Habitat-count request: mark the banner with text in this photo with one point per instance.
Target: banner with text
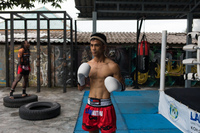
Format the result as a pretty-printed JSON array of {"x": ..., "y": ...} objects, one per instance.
[{"x": 175, "y": 112}]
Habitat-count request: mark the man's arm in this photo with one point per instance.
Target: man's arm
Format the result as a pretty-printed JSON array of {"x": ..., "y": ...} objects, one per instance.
[
  {"x": 20, "y": 52},
  {"x": 80, "y": 88},
  {"x": 117, "y": 73},
  {"x": 82, "y": 74},
  {"x": 114, "y": 82},
  {"x": 117, "y": 77},
  {"x": 29, "y": 60}
]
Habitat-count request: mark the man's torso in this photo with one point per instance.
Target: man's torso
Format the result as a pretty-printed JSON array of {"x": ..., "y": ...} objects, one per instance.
[
  {"x": 99, "y": 71},
  {"x": 24, "y": 56}
]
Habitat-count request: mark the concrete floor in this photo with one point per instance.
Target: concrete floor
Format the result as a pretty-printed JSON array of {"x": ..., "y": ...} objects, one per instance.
[{"x": 70, "y": 102}]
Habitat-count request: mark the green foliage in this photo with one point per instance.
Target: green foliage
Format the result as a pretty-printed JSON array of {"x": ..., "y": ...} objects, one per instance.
[{"x": 9, "y": 4}]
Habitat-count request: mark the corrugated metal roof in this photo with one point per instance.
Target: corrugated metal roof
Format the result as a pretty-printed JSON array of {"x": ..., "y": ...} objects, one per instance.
[
  {"x": 130, "y": 37},
  {"x": 56, "y": 36},
  {"x": 83, "y": 37},
  {"x": 134, "y": 9}
]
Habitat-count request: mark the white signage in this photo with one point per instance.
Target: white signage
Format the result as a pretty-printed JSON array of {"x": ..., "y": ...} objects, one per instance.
[{"x": 194, "y": 121}]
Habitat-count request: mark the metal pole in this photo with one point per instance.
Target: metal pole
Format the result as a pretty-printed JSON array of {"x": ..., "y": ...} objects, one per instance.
[
  {"x": 72, "y": 52},
  {"x": 12, "y": 46},
  {"x": 188, "y": 54},
  {"x": 7, "y": 54},
  {"x": 162, "y": 63},
  {"x": 75, "y": 32},
  {"x": 94, "y": 17},
  {"x": 64, "y": 54},
  {"x": 130, "y": 59},
  {"x": 138, "y": 36},
  {"x": 198, "y": 57},
  {"x": 38, "y": 52},
  {"x": 76, "y": 51},
  {"x": 25, "y": 36},
  {"x": 136, "y": 68},
  {"x": 25, "y": 29},
  {"x": 49, "y": 53}
]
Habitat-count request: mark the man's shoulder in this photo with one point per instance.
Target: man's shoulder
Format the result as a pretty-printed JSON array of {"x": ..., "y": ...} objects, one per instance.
[
  {"x": 108, "y": 60},
  {"x": 111, "y": 63},
  {"x": 91, "y": 61},
  {"x": 21, "y": 50}
]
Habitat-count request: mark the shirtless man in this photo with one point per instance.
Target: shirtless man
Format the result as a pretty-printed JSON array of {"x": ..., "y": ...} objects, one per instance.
[{"x": 105, "y": 77}]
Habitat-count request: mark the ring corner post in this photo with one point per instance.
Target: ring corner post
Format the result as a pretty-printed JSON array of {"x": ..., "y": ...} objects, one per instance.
[
  {"x": 163, "y": 57},
  {"x": 162, "y": 71}
]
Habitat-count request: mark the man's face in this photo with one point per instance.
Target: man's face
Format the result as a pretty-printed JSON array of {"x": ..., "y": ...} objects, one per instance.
[{"x": 97, "y": 47}]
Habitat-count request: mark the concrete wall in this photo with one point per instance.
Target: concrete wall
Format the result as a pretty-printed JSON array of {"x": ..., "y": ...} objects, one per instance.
[
  {"x": 124, "y": 56},
  {"x": 2, "y": 66},
  {"x": 56, "y": 65}
]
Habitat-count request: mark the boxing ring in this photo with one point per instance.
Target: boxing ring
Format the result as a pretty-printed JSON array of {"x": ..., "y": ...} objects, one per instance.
[
  {"x": 136, "y": 111},
  {"x": 181, "y": 106},
  {"x": 142, "y": 111}
]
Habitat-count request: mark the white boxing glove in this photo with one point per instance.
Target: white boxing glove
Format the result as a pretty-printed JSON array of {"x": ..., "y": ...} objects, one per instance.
[
  {"x": 112, "y": 84},
  {"x": 83, "y": 72}
]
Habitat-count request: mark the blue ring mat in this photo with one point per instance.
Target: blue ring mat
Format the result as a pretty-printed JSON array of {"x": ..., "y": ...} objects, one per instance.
[{"x": 136, "y": 111}]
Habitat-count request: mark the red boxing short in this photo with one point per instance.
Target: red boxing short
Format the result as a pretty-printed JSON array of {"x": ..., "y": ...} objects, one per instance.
[
  {"x": 23, "y": 70},
  {"x": 99, "y": 117}
]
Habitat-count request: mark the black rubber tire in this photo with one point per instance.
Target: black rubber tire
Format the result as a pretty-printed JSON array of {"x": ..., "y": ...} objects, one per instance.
[
  {"x": 18, "y": 100},
  {"x": 39, "y": 110}
]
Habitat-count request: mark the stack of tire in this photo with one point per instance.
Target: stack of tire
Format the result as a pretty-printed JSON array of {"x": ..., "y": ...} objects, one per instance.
[{"x": 31, "y": 109}]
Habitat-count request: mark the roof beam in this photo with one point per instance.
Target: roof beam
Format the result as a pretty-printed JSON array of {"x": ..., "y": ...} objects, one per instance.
[
  {"x": 139, "y": 3},
  {"x": 101, "y": 7},
  {"x": 136, "y": 17},
  {"x": 138, "y": 11},
  {"x": 50, "y": 12},
  {"x": 191, "y": 10},
  {"x": 197, "y": 4},
  {"x": 2, "y": 18},
  {"x": 44, "y": 16},
  {"x": 16, "y": 13},
  {"x": 160, "y": 9},
  {"x": 19, "y": 16},
  {"x": 40, "y": 19}
]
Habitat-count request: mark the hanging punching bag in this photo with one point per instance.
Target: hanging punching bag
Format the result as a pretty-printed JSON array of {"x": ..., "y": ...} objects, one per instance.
[{"x": 143, "y": 55}]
